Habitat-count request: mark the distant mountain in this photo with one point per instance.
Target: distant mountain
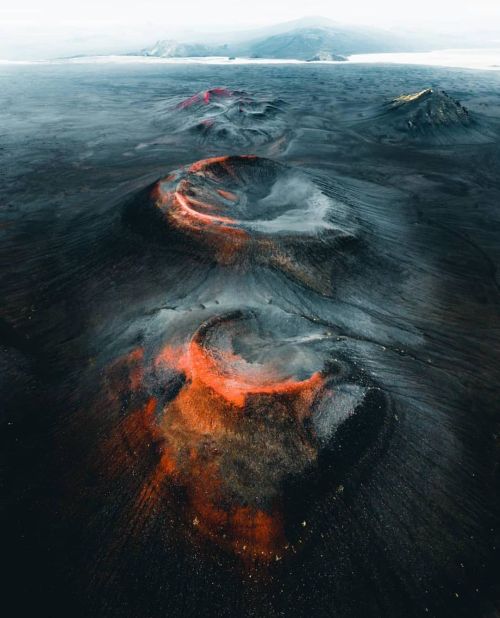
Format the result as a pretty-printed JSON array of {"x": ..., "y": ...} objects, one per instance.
[
  {"x": 306, "y": 39},
  {"x": 307, "y": 43}
]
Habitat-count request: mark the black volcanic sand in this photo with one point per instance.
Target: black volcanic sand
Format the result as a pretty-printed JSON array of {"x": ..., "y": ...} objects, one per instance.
[{"x": 309, "y": 430}]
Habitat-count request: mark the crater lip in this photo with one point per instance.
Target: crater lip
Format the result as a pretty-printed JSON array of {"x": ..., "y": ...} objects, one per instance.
[
  {"x": 254, "y": 196},
  {"x": 208, "y": 96},
  {"x": 246, "y": 357},
  {"x": 252, "y": 352}
]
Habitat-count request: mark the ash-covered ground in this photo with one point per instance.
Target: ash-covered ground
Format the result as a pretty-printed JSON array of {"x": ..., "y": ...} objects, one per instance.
[{"x": 249, "y": 340}]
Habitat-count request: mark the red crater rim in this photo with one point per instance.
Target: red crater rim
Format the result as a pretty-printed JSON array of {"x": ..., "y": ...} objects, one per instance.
[
  {"x": 235, "y": 118},
  {"x": 207, "y": 96},
  {"x": 231, "y": 202}
]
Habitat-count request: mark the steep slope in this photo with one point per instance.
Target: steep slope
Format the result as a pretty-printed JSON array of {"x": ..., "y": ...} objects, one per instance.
[{"x": 429, "y": 115}]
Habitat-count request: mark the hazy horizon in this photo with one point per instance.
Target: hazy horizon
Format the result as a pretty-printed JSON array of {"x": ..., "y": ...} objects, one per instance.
[{"x": 34, "y": 30}]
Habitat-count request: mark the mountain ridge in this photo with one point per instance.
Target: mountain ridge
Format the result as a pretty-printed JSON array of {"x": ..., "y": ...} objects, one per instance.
[{"x": 307, "y": 39}]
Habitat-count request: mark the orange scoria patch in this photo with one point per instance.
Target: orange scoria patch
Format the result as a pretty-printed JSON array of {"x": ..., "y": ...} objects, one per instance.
[
  {"x": 211, "y": 371},
  {"x": 182, "y": 444},
  {"x": 199, "y": 219},
  {"x": 210, "y": 406}
]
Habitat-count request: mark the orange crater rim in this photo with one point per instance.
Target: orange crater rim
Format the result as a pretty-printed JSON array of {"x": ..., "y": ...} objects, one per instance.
[
  {"x": 230, "y": 375},
  {"x": 208, "y": 208}
]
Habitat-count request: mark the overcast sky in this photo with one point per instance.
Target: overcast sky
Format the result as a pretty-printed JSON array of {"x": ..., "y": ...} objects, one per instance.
[{"x": 47, "y": 28}]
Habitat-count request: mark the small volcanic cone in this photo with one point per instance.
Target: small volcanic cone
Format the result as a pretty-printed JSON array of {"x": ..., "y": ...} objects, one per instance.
[
  {"x": 248, "y": 207},
  {"x": 239, "y": 421},
  {"x": 430, "y": 109},
  {"x": 430, "y": 116},
  {"x": 221, "y": 115},
  {"x": 256, "y": 400}
]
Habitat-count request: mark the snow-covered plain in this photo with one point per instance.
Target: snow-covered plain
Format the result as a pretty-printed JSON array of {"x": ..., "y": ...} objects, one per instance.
[{"x": 488, "y": 59}]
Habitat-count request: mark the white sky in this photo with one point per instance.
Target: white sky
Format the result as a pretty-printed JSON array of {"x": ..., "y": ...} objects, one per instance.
[{"x": 47, "y": 28}]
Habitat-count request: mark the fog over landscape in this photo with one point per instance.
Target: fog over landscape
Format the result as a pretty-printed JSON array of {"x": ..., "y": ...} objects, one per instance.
[{"x": 33, "y": 30}]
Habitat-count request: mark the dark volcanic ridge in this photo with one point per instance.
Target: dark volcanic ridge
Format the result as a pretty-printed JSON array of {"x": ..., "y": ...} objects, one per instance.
[
  {"x": 428, "y": 116},
  {"x": 224, "y": 116}
]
